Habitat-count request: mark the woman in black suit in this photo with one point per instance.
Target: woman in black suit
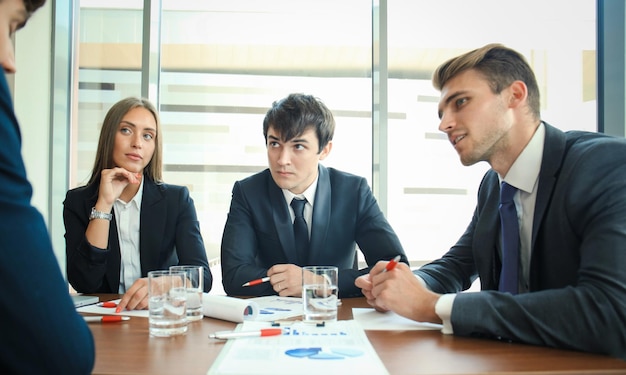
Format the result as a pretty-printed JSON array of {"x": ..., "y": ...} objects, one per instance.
[{"x": 126, "y": 222}]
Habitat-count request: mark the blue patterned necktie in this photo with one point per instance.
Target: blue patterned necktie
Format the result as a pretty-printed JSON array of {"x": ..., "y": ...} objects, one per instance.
[
  {"x": 300, "y": 230},
  {"x": 509, "y": 277}
]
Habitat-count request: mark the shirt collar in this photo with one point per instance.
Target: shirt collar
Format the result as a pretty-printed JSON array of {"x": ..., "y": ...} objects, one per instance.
[
  {"x": 137, "y": 198},
  {"x": 308, "y": 194},
  {"x": 524, "y": 172}
]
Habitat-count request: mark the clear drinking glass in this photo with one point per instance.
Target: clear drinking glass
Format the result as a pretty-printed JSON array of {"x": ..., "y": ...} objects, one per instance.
[
  {"x": 167, "y": 303},
  {"x": 195, "y": 287},
  {"x": 319, "y": 293}
]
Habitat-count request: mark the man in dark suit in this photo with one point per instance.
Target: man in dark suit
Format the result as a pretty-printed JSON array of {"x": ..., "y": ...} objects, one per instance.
[
  {"x": 40, "y": 330},
  {"x": 339, "y": 209},
  {"x": 570, "y": 291}
]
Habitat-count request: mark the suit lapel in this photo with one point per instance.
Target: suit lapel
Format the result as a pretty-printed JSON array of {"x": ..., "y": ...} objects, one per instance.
[
  {"x": 153, "y": 216},
  {"x": 282, "y": 220},
  {"x": 321, "y": 212},
  {"x": 115, "y": 257},
  {"x": 487, "y": 234},
  {"x": 553, "y": 151}
]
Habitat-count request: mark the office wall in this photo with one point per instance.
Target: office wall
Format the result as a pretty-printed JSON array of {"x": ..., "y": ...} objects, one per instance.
[{"x": 32, "y": 103}]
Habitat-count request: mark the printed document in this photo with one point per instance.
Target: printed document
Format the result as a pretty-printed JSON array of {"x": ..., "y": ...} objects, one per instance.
[{"x": 304, "y": 348}]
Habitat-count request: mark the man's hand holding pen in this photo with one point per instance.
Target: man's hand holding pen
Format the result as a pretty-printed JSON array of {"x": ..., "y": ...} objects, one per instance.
[
  {"x": 399, "y": 291},
  {"x": 365, "y": 282},
  {"x": 286, "y": 279}
]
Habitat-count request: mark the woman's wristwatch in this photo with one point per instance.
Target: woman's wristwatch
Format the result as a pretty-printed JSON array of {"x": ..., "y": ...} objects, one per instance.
[{"x": 95, "y": 214}]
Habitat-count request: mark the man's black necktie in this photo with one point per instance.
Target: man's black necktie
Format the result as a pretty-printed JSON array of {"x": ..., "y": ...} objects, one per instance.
[
  {"x": 300, "y": 230},
  {"x": 509, "y": 277}
]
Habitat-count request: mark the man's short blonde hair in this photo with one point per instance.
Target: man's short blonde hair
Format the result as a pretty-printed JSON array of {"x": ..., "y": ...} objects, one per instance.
[{"x": 499, "y": 65}]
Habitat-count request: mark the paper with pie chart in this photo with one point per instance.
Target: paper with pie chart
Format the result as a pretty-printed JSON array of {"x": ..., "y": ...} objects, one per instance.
[{"x": 304, "y": 348}]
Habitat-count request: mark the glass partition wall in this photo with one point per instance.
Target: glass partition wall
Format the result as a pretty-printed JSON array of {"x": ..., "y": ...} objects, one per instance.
[
  {"x": 431, "y": 195},
  {"x": 222, "y": 64}
]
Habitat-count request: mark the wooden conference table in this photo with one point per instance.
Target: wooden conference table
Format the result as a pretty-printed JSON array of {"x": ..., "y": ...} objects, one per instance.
[{"x": 127, "y": 348}]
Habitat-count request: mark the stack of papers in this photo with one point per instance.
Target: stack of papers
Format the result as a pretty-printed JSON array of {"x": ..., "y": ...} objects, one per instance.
[{"x": 268, "y": 308}]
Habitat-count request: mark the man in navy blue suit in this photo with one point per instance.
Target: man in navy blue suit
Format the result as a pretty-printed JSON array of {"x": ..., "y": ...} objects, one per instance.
[
  {"x": 340, "y": 210},
  {"x": 571, "y": 209},
  {"x": 41, "y": 332}
]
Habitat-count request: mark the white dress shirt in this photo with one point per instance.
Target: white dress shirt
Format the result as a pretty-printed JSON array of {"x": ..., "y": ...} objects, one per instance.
[{"x": 127, "y": 216}]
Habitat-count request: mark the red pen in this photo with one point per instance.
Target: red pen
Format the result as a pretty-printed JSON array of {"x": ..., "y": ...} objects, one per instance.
[
  {"x": 224, "y": 335},
  {"x": 107, "y": 304},
  {"x": 392, "y": 263},
  {"x": 106, "y": 319},
  {"x": 257, "y": 281}
]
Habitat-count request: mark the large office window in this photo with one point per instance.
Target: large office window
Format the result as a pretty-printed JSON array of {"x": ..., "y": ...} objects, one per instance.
[
  {"x": 222, "y": 66},
  {"x": 431, "y": 195},
  {"x": 224, "y": 63}
]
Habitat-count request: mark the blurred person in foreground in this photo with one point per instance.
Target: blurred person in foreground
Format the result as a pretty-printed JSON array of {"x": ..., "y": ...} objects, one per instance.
[{"x": 41, "y": 332}]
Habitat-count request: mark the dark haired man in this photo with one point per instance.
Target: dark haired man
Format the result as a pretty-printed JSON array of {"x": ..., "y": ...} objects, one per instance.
[{"x": 339, "y": 209}]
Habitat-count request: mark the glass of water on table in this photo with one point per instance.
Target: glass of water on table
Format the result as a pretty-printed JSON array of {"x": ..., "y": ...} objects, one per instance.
[
  {"x": 195, "y": 287},
  {"x": 167, "y": 302},
  {"x": 319, "y": 293}
]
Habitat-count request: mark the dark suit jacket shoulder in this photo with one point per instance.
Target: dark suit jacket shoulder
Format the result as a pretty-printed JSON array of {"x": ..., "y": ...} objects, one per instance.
[
  {"x": 259, "y": 232},
  {"x": 169, "y": 235},
  {"x": 577, "y": 281},
  {"x": 34, "y": 292}
]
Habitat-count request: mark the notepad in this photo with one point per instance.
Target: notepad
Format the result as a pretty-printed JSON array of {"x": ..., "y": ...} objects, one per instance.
[
  {"x": 101, "y": 310},
  {"x": 80, "y": 300},
  {"x": 372, "y": 320}
]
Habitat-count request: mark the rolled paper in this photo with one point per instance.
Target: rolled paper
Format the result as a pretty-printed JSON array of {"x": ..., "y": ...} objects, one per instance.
[{"x": 229, "y": 308}]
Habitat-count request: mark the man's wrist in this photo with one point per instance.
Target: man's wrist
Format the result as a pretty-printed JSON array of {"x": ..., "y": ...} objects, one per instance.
[{"x": 443, "y": 309}]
